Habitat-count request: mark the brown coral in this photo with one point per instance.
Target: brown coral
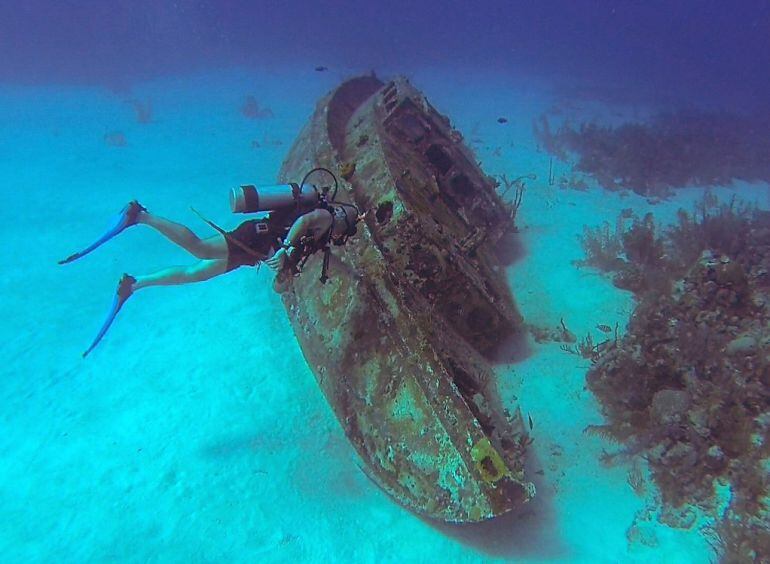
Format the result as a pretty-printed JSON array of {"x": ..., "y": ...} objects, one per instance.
[
  {"x": 688, "y": 383},
  {"x": 669, "y": 151}
]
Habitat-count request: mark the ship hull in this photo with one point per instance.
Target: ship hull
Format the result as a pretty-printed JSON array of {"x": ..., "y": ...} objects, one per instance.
[{"x": 400, "y": 336}]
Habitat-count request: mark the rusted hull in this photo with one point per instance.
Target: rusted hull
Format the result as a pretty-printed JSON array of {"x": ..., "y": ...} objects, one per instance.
[{"x": 398, "y": 336}]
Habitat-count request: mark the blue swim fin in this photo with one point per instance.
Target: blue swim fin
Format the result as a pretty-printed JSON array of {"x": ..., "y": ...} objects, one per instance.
[
  {"x": 124, "y": 291},
  {"x": 126, "y": 218}
]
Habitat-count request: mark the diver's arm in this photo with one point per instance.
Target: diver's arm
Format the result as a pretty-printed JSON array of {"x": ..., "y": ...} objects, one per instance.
[{"x": 315, "y": 223}]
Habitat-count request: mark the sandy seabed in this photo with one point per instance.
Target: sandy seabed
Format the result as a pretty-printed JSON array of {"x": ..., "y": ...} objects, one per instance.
[{"x": 195, "y": 432}]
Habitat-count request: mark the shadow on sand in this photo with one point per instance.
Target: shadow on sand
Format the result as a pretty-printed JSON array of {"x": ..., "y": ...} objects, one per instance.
[{"x": 528, "y": 532}]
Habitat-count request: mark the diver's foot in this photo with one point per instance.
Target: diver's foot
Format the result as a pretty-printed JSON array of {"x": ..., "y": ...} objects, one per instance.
[
  {"x": 125, "y": 287},
  {"x": 124, "y": 291},
  {"x": 130, "y": 213}
]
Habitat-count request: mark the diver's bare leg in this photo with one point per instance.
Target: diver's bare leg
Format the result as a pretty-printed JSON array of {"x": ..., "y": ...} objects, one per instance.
[
  {"x": 203, "y": 270},
  {"x": 128, "y": 284},
  {"x": 214, "y": 247}
]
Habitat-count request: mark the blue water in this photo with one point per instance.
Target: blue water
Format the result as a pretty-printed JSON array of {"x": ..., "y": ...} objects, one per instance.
[
  {"x": 196, "y": 431},
  {"x": 686, "y": 50}
]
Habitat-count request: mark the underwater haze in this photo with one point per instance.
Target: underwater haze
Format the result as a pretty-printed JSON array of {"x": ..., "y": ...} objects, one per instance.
[
  {"x": 628, "y": 141},
  {"x": 672, "y": 51}
]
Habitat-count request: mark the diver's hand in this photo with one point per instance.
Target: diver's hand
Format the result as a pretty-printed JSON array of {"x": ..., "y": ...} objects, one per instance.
[{"x": 276, "y": 261}]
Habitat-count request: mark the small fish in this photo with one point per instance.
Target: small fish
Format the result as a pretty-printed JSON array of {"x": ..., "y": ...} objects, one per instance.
[
  {"x": 530, "y": 422},
  {"x": 604, "y": 328},
  {"x": 320, "y": 68},
  {"x": 502, "y": 120}
]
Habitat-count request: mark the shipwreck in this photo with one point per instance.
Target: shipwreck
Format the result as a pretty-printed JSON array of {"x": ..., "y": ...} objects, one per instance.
[{"x": 401, "y": 335}]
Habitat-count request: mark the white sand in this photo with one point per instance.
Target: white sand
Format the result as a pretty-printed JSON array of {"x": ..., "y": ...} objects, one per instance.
[{"x": 195, "y": 431}]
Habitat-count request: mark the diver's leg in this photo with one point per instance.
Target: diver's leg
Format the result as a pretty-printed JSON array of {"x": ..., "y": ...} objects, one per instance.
[
  {"x": 128, "y": 284},
  {"x": 203, "y": 270},
  {"x": 214, "y": 247}
]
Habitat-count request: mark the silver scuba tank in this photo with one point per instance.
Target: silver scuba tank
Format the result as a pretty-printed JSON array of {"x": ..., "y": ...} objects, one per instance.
[{"x": 250, "y": 199}]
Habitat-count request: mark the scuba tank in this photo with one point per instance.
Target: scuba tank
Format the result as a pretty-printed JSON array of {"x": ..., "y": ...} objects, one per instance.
[
  {"x": 280, "y": 197},
  {"x": 250, "y": 199}
]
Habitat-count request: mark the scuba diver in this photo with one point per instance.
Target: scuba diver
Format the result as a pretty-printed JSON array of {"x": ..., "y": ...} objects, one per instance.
[{"x": 299, "y": 224}]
